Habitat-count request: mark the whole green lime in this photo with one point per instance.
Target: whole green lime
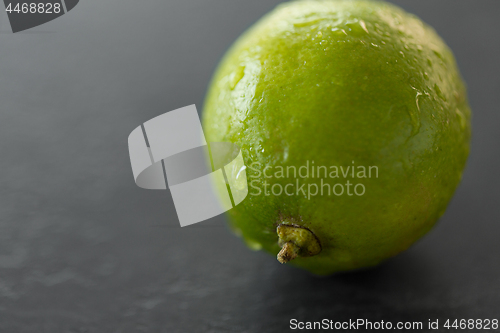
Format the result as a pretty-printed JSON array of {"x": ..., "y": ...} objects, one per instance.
[{"x": 354, "y": 125}]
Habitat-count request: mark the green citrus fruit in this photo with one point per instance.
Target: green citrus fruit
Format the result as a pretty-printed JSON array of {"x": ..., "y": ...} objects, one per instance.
[{"x": 358, "y": 99}]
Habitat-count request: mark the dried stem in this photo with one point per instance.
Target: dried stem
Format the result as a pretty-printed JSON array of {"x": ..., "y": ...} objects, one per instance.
[{"x": 288, "y": 252}]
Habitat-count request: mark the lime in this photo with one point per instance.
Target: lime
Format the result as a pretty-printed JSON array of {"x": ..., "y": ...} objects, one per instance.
[{"x": 354, "y": 125}]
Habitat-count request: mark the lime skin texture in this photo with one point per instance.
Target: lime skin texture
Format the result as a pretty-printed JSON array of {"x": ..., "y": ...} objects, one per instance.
[{"x": 342, "y": 83}]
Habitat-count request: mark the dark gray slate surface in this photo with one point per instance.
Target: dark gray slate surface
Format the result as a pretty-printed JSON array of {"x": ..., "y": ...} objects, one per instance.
[{"x": 82, "y": 249}]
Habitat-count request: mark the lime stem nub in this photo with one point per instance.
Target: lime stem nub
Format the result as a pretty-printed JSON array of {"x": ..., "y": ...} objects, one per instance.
[
  {"x": 296, "y": 241},
  {"x": 288, "y": 252}
]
